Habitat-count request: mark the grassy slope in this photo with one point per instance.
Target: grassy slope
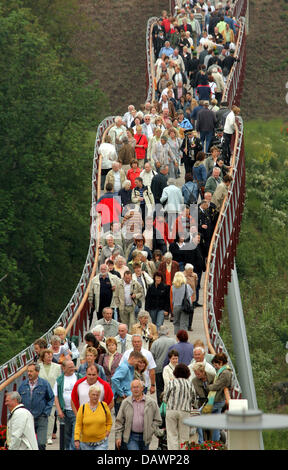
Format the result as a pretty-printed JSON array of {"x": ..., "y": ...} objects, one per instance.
[
  {"x": 267, "y": 64},
  {"x": 116, "y": 50}
]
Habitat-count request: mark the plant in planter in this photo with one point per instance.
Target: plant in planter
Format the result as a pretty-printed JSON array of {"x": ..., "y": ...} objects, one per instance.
[
  {"x": 207, "y": 445},
  {"x": 3, "y": 431}
]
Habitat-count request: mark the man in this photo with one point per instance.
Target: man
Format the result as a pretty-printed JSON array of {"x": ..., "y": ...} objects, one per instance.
[
  {"x": 229, "y": 129},
  {"x": 204, "y": 226},
  {"x": 159, "y": 350},
  {"x": 102, "y": 292},
  {"x": 37, "y": 397},
  {"x": 116, "y": 176},
  {"x": 62, "y": 391},
  {"x": 137, "y": 420},
  {"x": 162, "y": 153},
  {"x": 20, "y": 426},
  {"x": 110, "y": 326},
  {"x": 109, "y": 248},
  {"x": 124, "y": 340},
  {"x": 148, "y": 127},
  {"x": 221, "y": 192},
  {"x": 128, "y": 294},
  {"x": 147, "y": 174},
  {"x": 199, "y": 356},
  {"x": 166, "y": 49},
  {"x": 173, "y": 199},
  {"x": 214, "y": 180},
  {"x": 117, "y": 132},
  {"x": 122, "y": 378},
  {"x": 143, "y": 197},
  {"x": 159, "y": 182},
  {"x": 183, "y": 122},
  {"x": 128, "y": 117},
  {"x": 149, "y": 373},
  {"x": 206, "y": 122},
  {"x": 80, "y": 391}
]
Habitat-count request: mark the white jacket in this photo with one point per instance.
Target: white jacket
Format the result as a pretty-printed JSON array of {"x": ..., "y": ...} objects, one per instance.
[
  {"x": 20, "y": 430},
  {"x": 172, "y": 197}
]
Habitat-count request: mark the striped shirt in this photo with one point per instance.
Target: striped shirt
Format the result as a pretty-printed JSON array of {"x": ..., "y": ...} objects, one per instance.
[{"x": 179, "y": 394}]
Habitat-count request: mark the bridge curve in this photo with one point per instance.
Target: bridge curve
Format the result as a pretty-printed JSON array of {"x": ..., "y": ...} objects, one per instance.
[{"x": 223, "y": 245}]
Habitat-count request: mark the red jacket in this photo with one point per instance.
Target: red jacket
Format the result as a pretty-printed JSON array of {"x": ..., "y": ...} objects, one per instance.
[
  {"x": 108, "y": 394},
  {"x": 131, "y": 175},
  {"x": 140, "y": 151}
]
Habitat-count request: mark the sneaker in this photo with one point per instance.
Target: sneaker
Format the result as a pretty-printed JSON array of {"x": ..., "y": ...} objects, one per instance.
[{"x": 49, "y": 442}]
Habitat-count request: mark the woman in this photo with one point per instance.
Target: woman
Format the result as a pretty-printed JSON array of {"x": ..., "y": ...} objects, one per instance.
[
  {"x": 110, "y": 360},
  {"x": 109, "y": 155},
  {"x": 190, "y": 190},
  {"x": 130, "y": 136},
  {"x": 91, "y": 355},
  {"x": 216, "y": 395},
  {"x": 200, "y": 173},
  {"x": 168, "y": 371},
  {"x": 133, "y": 173},
  {"x": 125, "y": 193},
  {"x": 192, "y": 280},
  {"x": 50, "y": 372},
  {"x": 60, "y": 352},
  {"x": 157, "y": 300},
  {"x": 93, "y": 423},
  {"x": 174, "y": 143},
  {"x": 120, "y": 265},
  {"x": 177, "y": 248},
  {"x": 180, "y": 290},
  {"x": 145, "y": 328},
  {"x": 143, "y": 197},
  {"x": 73, "y": 351},
  {"x": 141, "y": 145},
  {"x": 157, "y": 258},
  {"x": 139, "y": 370},
  {"x": 180, "y": 399}
]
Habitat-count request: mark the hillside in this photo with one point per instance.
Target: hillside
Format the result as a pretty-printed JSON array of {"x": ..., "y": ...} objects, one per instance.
[
  {"x": 267, "y": 64},
  {"x": 115, "y": 51}
]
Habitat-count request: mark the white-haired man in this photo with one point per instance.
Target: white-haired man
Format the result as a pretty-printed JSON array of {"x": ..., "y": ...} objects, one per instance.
[{"x": 20, "y": 427}]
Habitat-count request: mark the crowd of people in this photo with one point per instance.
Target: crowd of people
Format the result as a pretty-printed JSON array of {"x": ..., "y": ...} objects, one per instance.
[{"x": 165, "y": 173}]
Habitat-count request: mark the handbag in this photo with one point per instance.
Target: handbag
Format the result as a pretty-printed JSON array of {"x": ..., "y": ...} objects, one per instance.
[{"x": 187, "y": 307}]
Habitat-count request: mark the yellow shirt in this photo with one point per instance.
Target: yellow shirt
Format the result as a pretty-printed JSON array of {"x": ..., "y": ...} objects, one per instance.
[{"x": 92, "y": 427}]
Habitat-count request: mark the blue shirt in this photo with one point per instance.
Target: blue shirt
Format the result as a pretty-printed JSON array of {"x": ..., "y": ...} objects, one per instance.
[
  {"x": 166, "y": 50},
  {"x": 121, "y": 379},
  {"x": 40, "y": 401}
]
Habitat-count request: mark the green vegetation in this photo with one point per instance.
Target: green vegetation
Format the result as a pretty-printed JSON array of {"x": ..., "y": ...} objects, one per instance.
[
  {"x": 49, "y": 107},
  {"x": 262, "y": 264}
]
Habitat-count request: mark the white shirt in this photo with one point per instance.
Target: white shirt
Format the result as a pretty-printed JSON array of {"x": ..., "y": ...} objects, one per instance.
[
  {"x": 83, "y": 392},
  {"x": 150, "y": 359},
  {"x": 127, "y": 292},
  {"x": 117, "y": 181},
  {"x": 229, "y": 126},
  {"x": 69, "y": 382}
]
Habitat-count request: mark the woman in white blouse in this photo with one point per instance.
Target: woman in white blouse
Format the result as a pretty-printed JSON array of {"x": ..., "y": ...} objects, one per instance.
[{"x": 168, "y": 370}]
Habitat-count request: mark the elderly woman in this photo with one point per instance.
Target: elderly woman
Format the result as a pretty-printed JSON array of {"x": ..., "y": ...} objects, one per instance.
[
  {"x": 93, "y": 423},
  {"x": 180, "y": 290},
  {"x": 120, "y": 265},
  {"x": 110, "y": 360},
  {"x": 125, "y": 193},
  {"x": 192, "y": 280},
  {"x": 145, "y": 328},
  {"x": 91, "y": 355},
  {"x": 180, "y": 399},
  {"x": 50, "y": 372},
  {"x": 60, "y": 351},
  {"x": 73, "y": 351}
]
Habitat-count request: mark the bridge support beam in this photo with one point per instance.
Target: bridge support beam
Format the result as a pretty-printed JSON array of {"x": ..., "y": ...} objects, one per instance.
[{"x": 240, "y": 343}]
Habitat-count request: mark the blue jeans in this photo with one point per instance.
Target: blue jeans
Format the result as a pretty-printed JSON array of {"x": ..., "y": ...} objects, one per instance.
[
  {"x": 136, "y": 442},
  {"x": 157, "y": 317},
  {"x": 41, "y": 426},
  {"x": 217, "y": 408},
  {"x": 205, "y": 135},
  {"x": 69, "y": 425},
  {"x": 103, "y": 446}
]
